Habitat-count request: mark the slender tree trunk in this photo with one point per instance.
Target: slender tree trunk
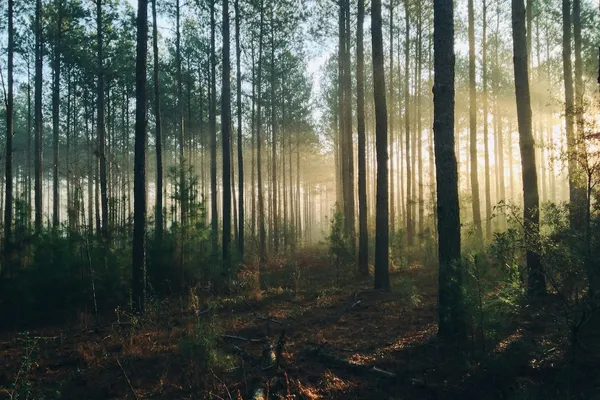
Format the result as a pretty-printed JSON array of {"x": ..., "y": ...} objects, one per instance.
[
  {"x": 8, "y": 205},
  {"x": 363, "y": 240},
  {"x": 56, "y": 114},
  {"x": 409, "y": 181},
  {"x": 261, "y": 208},
  {"x": 225, "y": 138},
  {"x": 390, "y": 104},
  {"x": 497, "y": 116},
  {"x": 579, "y": 102},
  {"x": 214, "y": 222},
  {"x": 382, "y": 277},
  {"x": 139, "y": 219},
  {"x": 570, "y": 111},
  {"x": 238, "y": 52},
  {"x": 180, "y": 120},
  {"x": 488, "y": 195},
  {"x": 158, "y": 121},
  {"x": 451, "y": 321},
  {"x": 253, "y": 147},
  {"x": 274, "y": 196},
  {"x": 38, "y": 117},
  {"x": 419, "y": 106},
  {"x": 541, "y": 121},
  {"x": 536, "y": 281},
  {"x": 100, "y": 120},
  {"x": 29, "y": 136},
  {"x": 473, "y": 128}
]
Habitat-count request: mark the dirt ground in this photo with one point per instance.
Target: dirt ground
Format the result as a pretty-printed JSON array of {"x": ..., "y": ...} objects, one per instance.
[{"x": 337, "y": 341}]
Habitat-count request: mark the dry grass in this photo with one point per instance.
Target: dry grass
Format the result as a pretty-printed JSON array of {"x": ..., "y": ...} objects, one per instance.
[{"x": 350, "y": 321}]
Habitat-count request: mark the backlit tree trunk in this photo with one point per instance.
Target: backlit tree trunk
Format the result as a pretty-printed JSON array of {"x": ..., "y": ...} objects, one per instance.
[
  {"x": 138, "y": 294},
  {"x": 536, "y": 280},
  {"x": 382, "y": 278},
  {"x": 363, "y": 239},
  {"x": 452, "y": 322}
]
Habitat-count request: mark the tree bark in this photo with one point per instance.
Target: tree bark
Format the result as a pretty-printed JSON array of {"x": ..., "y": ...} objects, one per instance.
[
  {"x": 238, "y": 52},
  {"x": 576, "y": 206},
  {"x": 476, "y": 205},
  {"x": 101, "y": 123},
  {"x": 56, "y": 114},
  {"x": 390, "y": 104},
  {"x": 214, "y": 222},
  {"x": 139, "y": 218},
  {"x": 8, "y": 205},
  {"x": 363, "y": 239},
  {"x": 225, "y": 138},
  {"x": 536, "y": 280},
  {"x": 382, "y": 278},
  {"x": 452, "y": 322},
  {"x": 158, "y": 120},
  {"x": 274, "y": 187},
  {"x": 183, "y": 187},
  {"x": 488, "y": 195},
  {"x": 409, "y": 181},
  {"x": 38, "y": 117},
  {"x": 261, "y": 207}
]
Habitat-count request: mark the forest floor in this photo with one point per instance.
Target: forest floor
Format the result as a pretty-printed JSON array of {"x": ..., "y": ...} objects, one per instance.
[{"x": 341, "y": 341}]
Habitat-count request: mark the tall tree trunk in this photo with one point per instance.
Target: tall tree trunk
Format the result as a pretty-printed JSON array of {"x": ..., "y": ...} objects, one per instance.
[
  {"x": 536, "y": 281},
  {"x": 349, "y": 199},
  {"x": 274, "y": 196},
  {"x": 8, "y": 205},
  {"x": 101, "y": 122},
  {"x": 225, "y": 138},
  {"x": 138, "y": 280},
  {"x": 497, "y": 116},
  {"x": 38, "y": 117},
  {"x": 212, "y": 116},
  {"x": 56, "y": 114},
  {"x": 409, "y": 181},
  {"x": 261, "y": 208},
  {"x": 158, "y": 121},
  {"x": 579, "y": 100},
  {"x": 419, "y": 105},
  {"x": 180, "y": 120},
  {"x": 29, "y": 136},
  {"x": 363, "y": 239},
  {"x": 253, "y": 147},
  {"x": 488, "y": 195},
  {"x": 390, "y": 104},
  {"x": 473, "y": 128},
  {"x": 382, "y": 277},
  {"x": 238, "y": 53},
  {"x": 452, "y": 322},
  {"x": 575, "y": 205}
]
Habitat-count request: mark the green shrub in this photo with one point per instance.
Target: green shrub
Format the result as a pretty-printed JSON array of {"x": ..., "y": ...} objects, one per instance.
[
  {"x": 203, "y": 348},
  {"x": 341, "y": 249}
]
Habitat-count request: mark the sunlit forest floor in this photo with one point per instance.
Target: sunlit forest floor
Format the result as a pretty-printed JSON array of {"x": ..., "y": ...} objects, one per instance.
[{"x": 339, "y": 339}]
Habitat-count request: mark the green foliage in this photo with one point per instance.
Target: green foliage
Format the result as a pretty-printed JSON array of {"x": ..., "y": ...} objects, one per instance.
[
  {"x": 202, "y": 348},
  {"x": 398, "y": 249},
  {"x": 493, "y": 284},
  {"x": 21, "y": 387},
  {"x": 61, "y": 272},
  {"x": 183, "y": 254},
  {"x": 340, "y": 245},
  {"x": 406, "y": 290}
]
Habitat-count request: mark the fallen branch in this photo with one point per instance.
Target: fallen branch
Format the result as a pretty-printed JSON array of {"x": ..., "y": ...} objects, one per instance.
[
  {"x": 198, "y": 313},
  {"x": 260, "y": 317},
  {"x": 135, "y": 396},
  {"x": 244, "y": 339}
]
